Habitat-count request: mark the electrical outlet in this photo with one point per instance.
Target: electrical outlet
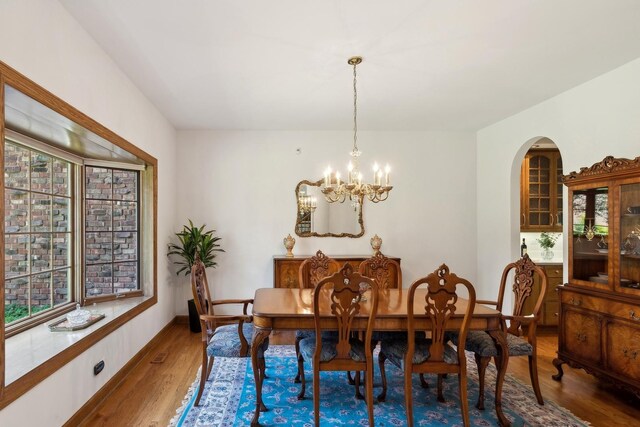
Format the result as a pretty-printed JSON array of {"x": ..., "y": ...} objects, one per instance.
[{"x": 98, "y": 368}]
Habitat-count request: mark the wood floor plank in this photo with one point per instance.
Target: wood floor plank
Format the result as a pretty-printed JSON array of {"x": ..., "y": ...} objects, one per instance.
[{"x": 152, "y": 392}]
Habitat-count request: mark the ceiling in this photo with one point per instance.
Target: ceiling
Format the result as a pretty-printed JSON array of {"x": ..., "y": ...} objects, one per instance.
[{"x": 428, "y": 65}]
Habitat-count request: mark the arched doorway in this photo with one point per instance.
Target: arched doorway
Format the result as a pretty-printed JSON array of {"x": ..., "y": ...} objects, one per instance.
[{"x": 541, "y": 217}]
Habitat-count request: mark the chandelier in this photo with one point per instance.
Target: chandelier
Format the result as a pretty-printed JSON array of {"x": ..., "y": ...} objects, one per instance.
[
  {"x": 352, "y": 188},
  {"x": 308, "y": 204}
]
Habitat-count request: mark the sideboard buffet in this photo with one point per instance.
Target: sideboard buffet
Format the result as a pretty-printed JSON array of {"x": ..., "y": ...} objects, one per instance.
[{"x": 285, "y": 269}]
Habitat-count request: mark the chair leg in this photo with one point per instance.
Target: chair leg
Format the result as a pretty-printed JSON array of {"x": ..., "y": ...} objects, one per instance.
[
  {"x": 359, "y": 395},
  {"x": 350, "y": 379},
  {"x": 440, "y": 395},
  {"x": 482, "y": 363},
  {"x": 408, "y": 401},
  {"x": 533, "y": 373},
  {"x": 381, "y": 359},
  {"x": 316, "y": 395},
  {"x": 423, "y": 382},
  {"x": 303, "y": 380},
  {"x": 369, "y": 394},
  {"x": 298, "y": 356},
  {"x": 209, "y": 367},
  {"x": 464, "y": 404},
  {"x": 203, "y": 374}
]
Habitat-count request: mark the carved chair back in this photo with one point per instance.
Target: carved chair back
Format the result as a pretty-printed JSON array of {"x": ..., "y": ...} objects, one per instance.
[
  {"x": 383, "y": 270},
  {"x": 524, "y": 272},
  {"x": 201, "y": 294},
  {"x": 314, "y": 269},
  {"x": 342, "y": 295},
  {"x": 440, "y": 304}
]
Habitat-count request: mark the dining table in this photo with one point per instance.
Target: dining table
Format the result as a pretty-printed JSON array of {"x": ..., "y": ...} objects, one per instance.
[{"x": 287, "y": 309}]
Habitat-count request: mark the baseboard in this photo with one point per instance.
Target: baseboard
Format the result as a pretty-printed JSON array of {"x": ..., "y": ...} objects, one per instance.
[
  {"x": 182, "y": 319},
  {"x": 90, "y": 406}
]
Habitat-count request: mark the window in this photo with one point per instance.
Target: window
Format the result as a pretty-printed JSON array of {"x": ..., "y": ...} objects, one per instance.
[
  {"x": 51, "y": 261},
  {"x": 111, "y": 231},
  {"x": 47, "y": 146},
  {"x": 38, "y": 233}
]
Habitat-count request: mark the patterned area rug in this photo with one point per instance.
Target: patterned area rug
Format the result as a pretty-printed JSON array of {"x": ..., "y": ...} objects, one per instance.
[{"x": 229, "y": 399}]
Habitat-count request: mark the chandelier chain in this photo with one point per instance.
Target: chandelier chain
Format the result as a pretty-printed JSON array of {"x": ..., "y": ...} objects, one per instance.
[{"x": 355, "y": 111}]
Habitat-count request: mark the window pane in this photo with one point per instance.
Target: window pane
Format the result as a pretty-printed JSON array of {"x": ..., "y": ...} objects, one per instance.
[
  {"x": 125, "y": 246},
  {"x": 98, "y": 215},
  {"x": 61, "y": 286},
  {"x": 61, "y": 177},
  {"x": 125, "y": 216},
  {"x": 61, "y": 252},
  {"x": 125, "y": 276},
  {"x": 61, "y": 212},
  {"x": 40, "y": 292},
  {"x": 98, "y": 248},
  {"x": 40, "y": 173},
  {"x": 40, "y": 252},
  {"x": 16, "y": 211},
  {"x": 16, "y": 294},
  {"x": 98, "y": 280},
  {"x": 98, "y": 183},
  {"x": 40, "y": 212},
  {"x": 16, "y": 167},
  {"x": 15, "y": 255},
  {"x": 125, "y": 185}
]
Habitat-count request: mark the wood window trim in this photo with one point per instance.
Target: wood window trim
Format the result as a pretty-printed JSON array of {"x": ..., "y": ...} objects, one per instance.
[{"x": 11, "y": 77}]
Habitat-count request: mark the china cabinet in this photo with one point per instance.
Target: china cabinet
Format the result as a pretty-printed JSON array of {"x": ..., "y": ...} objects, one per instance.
[
  {"x": 600, "y": 306},
  {"x": 541, "y": 191}
]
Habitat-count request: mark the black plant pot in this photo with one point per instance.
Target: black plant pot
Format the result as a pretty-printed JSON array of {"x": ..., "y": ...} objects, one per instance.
[{"x": 194, "y": 319}]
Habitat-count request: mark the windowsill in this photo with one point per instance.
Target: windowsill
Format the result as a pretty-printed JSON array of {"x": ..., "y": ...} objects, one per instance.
[{"x": 29, "y": 350}]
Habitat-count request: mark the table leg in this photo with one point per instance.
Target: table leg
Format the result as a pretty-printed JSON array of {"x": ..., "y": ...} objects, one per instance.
[
  {"x": 502, "y": 361},
  {"x": 258, "y": 338}
]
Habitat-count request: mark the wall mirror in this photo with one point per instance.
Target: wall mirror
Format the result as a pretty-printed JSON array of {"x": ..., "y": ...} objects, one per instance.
[{"x": 315, "y": 217}]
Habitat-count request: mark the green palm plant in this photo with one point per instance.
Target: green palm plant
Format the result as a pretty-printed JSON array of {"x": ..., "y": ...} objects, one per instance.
[{"x": 194, "y": 240}]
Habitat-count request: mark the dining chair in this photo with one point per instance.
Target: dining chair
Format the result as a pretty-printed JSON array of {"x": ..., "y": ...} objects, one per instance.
[
  {"x": 482, "y": 345},
  {"x": 383, "y": 270},
  {"x": 222, "y": 335},
  {"x": 416, "y": 354},
  {"x": 386, "y": 272},
  {"x": 341, "y": 296},
  {"x": 311, "y": 271}
]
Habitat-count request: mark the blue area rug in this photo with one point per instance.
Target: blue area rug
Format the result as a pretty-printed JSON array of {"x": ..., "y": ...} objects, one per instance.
[{"x": 229, "y": 399}]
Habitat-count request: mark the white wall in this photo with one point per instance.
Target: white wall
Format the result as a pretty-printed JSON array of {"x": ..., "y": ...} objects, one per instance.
[
  {"x": 41, "y": 40},
  {"x": 242, "y": 184},
  {"x": 587, "y": 123}
]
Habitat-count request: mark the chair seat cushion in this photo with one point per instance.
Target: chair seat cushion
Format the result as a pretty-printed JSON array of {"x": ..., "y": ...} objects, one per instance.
[
  {"x": 225, "y": 341},
  {"x": 394, "y": 335},
  {"x": 482, "y": 344},
  {"x": 329, "y": 350},
  {"x": 395, "y": 351},
  {"x": 311, "y": 333}
]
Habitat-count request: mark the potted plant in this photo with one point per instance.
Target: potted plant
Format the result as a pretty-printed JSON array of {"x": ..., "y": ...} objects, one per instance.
[
  {"x": 194, "y": 240},
  {"x": 547, "y": 241}
]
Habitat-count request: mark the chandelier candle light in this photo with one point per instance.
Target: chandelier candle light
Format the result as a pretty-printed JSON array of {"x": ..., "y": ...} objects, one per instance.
[{"x": 334, "y": 189}]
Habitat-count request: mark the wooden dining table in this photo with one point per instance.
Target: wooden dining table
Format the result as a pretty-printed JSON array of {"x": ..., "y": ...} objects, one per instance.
[{"x": 280, "y": 309}]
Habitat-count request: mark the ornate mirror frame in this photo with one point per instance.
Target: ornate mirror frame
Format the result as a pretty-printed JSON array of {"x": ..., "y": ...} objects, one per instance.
[{"x": 313, "y": 233}]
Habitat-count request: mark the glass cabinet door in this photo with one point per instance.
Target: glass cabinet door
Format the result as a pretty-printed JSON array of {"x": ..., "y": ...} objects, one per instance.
[
  {"x": 540, "y": 213},
  {"x": 590, "y": 234},
  {"x": 629, "y": 251}
]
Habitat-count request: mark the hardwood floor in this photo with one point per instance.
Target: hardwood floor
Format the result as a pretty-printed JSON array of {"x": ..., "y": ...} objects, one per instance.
[{"x": 152, "y": 392}]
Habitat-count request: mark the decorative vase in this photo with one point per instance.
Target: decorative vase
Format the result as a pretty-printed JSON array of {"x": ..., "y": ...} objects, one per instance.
[
  {"x": 376, "y": 243},
  {"x": 547, "y": 254},
  {"x": 288, "y": 244}
]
